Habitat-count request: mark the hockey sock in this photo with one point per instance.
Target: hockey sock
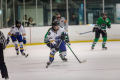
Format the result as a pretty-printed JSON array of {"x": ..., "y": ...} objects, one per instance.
[
  {"x": 60, "y": 54},
  {"x": 104, "y": 41},
  {"x": 52, "y": 54},
  {"x": 16, "y": 45},
  {"x": 95, "y": 41},
  {"x": 21, "y": 47}
]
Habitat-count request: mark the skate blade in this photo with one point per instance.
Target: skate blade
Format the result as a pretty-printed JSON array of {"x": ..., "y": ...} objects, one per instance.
[
  {"x": 46, "y": 66},
  {"x": 104, "y": 49},
  {"x": 65, "y": 61},
  {"x": 27, "y": 55}
]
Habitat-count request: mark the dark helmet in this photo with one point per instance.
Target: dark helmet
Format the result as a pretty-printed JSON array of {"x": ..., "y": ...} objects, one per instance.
[
  {"x": 18, "y": 22},
  {"x": 104, "y": 13},
  {"x": 58, "y": 14},
  {"x": 55, "y": 23}
]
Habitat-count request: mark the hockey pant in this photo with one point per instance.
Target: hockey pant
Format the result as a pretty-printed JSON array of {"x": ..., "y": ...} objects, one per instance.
[
  {"x": 97, "y": 36},
  {"x": 20, "y": 40},
  {"x": 62, "y": 49}
]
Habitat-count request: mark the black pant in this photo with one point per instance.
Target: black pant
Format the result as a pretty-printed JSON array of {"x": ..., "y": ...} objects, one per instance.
[
  {"x": 3, "y": 67},
  {"x": 103, "y": 32}
]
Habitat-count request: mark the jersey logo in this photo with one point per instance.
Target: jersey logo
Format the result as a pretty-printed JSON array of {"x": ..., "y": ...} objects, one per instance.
[
  {"x": 57, "y": 39},
  {"x": 61, "y": 20},
  {"x": 103, "y": 25},
  {"x": 49, "y": 33}
]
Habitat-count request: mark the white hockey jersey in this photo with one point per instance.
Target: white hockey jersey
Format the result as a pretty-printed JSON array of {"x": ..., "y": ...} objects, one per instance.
[
  {"x": 56, "y": 37},
  {"x": 63, "y": 23},
  {"x": 14, "y": 31}
]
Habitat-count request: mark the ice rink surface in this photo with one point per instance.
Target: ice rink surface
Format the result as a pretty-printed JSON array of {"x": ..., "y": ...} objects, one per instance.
[{"x": 100, "y": 65}]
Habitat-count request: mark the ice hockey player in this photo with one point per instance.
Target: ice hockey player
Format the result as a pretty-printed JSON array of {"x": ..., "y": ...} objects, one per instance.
[
  {"x": 55, "y": 40},
  {"x": 63, "y": 22},
  {"x": 3, "y": 67},
  {"x": 100, "y": 28},
  {"x": 16, "y": 33}
]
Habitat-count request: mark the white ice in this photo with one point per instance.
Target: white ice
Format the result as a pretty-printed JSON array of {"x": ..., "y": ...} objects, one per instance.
[{"x": 100, "y": 65}]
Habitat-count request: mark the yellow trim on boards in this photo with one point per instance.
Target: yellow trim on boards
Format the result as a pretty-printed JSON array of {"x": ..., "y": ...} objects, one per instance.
[{"x": 70, "y": 42}]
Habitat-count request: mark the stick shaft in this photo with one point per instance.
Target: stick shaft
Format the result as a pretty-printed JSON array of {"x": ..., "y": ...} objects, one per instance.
[
  {"x": 85, "y": 32},
  {"x": 74, "y": 53}
]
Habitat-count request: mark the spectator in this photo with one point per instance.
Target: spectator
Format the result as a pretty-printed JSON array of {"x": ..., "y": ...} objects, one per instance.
[
  {"x": 31, "y": 22},
  {"x": 55, "y": 16},
  {"x": 74, "y": 20},
  {"x": 25, "y": 20}
]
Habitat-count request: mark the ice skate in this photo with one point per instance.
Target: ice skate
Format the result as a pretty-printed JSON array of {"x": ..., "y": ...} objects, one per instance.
[
  {"x": 63, "y": 58},
  {"x": 48, "y": 63},
  {"x": 17, "y": 52},
  {"x": 26, "y": 55},
  {"x": 104, "y": 48},
  {"x": 92, "y": 48}
]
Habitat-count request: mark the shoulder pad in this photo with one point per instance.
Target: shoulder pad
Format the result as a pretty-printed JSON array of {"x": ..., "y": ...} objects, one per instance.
[
  {"x": 22, "y": 26},
  {"x": 108, "y": 19},
  {"x": 100, "y": 18},
  {"x": 62, "y": 18}
]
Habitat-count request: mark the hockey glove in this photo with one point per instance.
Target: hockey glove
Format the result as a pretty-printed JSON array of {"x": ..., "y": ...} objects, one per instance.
[
  {"x": 66, "y": 39},
  {"x": 63, "y": 37},
  {"x": 95, "y": 29},
  {"x": 24, "y": 41},
  {"x": 56, "y": 47},
  {"x": 8, "y": 40},
  {"x": 109, "y": 26}
]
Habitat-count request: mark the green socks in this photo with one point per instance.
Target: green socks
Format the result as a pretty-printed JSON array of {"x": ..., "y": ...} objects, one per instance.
[
  {"x": 60, "y": 54},
  {"x": 95, "y": 41},
  {"x": 104, "y": 41}
]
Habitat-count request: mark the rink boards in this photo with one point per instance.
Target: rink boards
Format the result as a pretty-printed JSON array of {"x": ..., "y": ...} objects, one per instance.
[{"x": 35, "y": 35}]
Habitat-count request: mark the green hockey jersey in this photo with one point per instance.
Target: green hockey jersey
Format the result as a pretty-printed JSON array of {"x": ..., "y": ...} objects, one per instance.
[{"x": 103, "y": 23}]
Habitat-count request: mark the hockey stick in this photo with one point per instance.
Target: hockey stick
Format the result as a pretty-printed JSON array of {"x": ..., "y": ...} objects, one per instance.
[
  {"x": 89, "y": 32},
  {"x": 76, "y": 56},
  {"x": 56, "y": 51},
  {"x": 83, "y": 33}
]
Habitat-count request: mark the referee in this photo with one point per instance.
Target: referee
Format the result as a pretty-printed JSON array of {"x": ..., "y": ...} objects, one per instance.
[{"x": 3, "y": 67}]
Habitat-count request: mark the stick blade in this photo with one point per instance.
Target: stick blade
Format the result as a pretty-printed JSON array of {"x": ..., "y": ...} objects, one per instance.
[
  {"x": 77, "y": 32},
  {"x": 83, "y": 61}
]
